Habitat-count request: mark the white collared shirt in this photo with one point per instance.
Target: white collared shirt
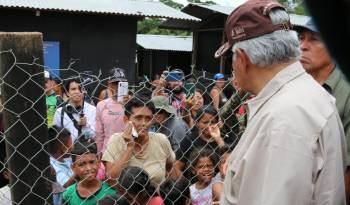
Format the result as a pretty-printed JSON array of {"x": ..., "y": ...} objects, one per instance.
[
  {"x": 293, "y": 149},
  {"x": 89, "y": 113}
]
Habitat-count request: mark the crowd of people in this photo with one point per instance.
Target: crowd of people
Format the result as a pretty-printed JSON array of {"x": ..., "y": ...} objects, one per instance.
[{"x": 279, "y": 138}]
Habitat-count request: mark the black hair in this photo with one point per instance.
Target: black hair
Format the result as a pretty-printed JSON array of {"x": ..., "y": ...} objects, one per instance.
[
  {"x": 3, "y": 164},
  {"x": 58, "y": 137},
  {"x": 136, "y": 102},
  {"x": 207, "y": 110},
  {"x": 155, "y": 77},
  {"x": 199, "y": 90},
  {"x": 175, "y": 191},
  {"x": 71, "y": 80},
  {"x": 115, "y": 199},
  {"x": 135, "y": 180},
  {"x": 83, "y": 147},
  {"x": 196, "y": 154}
]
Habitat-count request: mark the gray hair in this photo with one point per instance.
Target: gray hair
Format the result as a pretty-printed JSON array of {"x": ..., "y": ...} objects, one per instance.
[{"x": 274, "y": 48}]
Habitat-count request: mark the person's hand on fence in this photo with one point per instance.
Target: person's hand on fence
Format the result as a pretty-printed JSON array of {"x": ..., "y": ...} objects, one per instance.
[
  {"x": 127, "y": 136},
  {"x": 162, "y": 82},
  {"x": 189, "y": 102},
  {"x": 216, "y": 134}
]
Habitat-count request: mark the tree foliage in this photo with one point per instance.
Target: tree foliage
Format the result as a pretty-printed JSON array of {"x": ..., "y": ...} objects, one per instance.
[
  {"x": 295, "y": 6},
  {"x": 205, "y": 2},
  {"x": 151, "y": 25}
]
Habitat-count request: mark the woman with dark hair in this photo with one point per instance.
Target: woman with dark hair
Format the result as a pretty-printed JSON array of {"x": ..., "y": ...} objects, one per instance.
[
  {"x": 136, "y": 187},
  {"x": 192, "y": 105},
  {"x": 205, "y": 134}
]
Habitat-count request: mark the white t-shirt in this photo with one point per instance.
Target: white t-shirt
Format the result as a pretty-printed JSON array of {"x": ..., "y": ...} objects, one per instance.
[
  {"x": 5, "y": 196},
  {"x": 202, "y": 196}
]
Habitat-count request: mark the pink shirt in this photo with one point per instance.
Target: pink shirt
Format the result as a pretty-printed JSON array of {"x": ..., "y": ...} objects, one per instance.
[
  {"x": 109, "y": 120},
  {"x": 156, "y": 201}
]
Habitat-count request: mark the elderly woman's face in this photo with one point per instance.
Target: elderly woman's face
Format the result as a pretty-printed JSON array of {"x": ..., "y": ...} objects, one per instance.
[{"x": 204, "y": 122}]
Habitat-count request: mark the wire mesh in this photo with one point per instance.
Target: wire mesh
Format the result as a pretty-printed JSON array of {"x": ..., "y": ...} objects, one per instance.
[{"x": 162, "y": 140}]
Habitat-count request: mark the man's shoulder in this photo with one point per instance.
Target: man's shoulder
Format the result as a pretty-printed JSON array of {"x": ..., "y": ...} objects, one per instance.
[
  {"x": 89, "y": 106},
  {"x": 116, "y": 138},
  {"x": 302, "y": 100},
  {"x": 157, "y": 136},
  {"x": 101, "y": 104},
  {"x": 106, "y": 189},
  {"x": 177, "y": 124}
]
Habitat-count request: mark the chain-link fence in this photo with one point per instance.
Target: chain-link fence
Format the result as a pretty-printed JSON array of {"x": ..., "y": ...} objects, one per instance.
[{"x": 86, "y": 138}]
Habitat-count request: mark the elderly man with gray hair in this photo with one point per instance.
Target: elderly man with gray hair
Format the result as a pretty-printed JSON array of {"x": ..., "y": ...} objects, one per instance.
[{"x": 293, "y": 149}]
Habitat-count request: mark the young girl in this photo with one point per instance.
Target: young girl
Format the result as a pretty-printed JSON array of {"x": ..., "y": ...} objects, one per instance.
[{"x": 203, "y": 164}]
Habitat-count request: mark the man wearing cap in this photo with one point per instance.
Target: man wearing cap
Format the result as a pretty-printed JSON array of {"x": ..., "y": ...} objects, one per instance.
[
  {"x": 319, "y": 64},
  {"x": 217, "y": 95},
  {"x": 171, "y": 85},
  {"x": 110, "y": 112},
  {"x": 293, "y": 149},
  {"x": 167, "y": 123}
]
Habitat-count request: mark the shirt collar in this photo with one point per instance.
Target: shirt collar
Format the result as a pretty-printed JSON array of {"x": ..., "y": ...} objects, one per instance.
[
  {"x": 332, "y": 80},
  {"x": 273, "y": 86}
]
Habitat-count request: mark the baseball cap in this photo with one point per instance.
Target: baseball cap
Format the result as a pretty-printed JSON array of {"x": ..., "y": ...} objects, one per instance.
[
  {"x": 162, "y": 103},
  {"x": 219, "y": 76},
  {"x": 116, "y": 75},
  {"x": 309, "y": 25},
  {"x": 250, "y": 20}
]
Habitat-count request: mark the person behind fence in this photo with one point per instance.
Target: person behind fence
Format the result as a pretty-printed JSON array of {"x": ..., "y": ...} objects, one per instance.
[
  {"x": 217, "y": 92},
  {"x": 218, "y": 181},
  {"x": 203, "y": 163},
  {"x": 60, "y": 147},
  {"x": 88, "y": 190},
  {"x": 167, "y": 123},
  {"x": 76, "y": 115},
  {"x": 293, "y": 148},
  {"x": 5, "y": 192},
  {"x": 110, "y": 112},
  {"x": 52, "y": 99},
  {"x": 205, "y": 134},
  {"x": 136, "y": 187},
  {"x": 136, "y": 146},
  {"x": 319, "y": 64},
  {"x": 192, "y": 105},
  {"x": 175, "y": 191},
  {"x": 171, "y": 84},
  {"x": 233, "y": 116}
]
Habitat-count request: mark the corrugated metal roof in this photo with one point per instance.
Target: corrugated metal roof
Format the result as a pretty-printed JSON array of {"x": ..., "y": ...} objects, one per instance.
[
  {"x": 119, "y": 7},
  {"x": 202, "y": 11},
  {"x": 165, "y": 42},
  {"x": 221, "y": 9}
]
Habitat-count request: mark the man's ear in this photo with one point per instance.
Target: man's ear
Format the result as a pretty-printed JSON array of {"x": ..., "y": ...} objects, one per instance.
[
  {"x": 126, "y": 119},
  {"x": 243, "y": 59}
]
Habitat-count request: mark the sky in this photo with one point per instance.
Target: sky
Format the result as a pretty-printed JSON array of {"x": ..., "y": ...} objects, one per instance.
[{"x": 220, "y": 2}]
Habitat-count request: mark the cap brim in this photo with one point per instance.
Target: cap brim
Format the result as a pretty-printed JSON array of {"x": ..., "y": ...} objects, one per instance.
[
  {"x": 222, "y": 50},
  {"x": 300, "y": 28},
  {"x": 169, "y": 109}
]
